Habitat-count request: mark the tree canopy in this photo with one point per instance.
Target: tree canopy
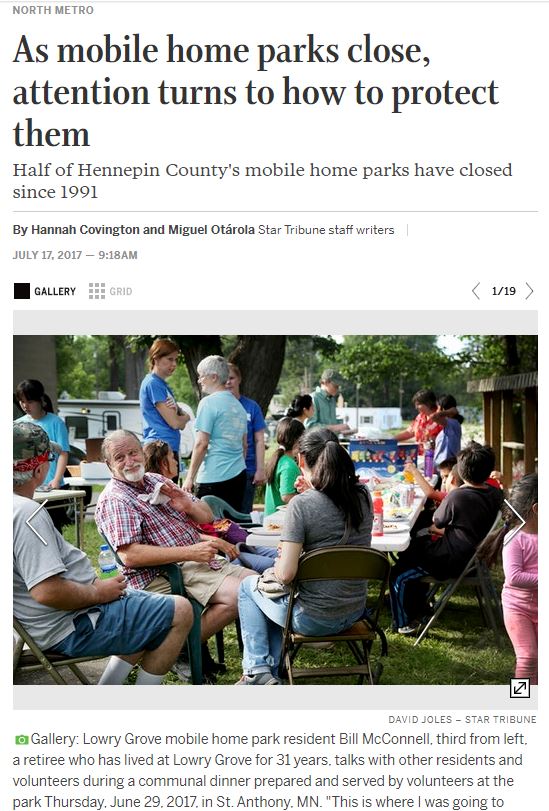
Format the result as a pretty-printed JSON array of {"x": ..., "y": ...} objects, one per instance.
[
  {"x": 487, "y": 355},
  {"x": 385, "y": 370}
]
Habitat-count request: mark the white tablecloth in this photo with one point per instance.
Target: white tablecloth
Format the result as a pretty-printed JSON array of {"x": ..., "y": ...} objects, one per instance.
[{"x": 391, "y": 542}]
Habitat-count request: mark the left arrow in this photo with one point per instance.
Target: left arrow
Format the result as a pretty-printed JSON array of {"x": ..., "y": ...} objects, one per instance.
[{"x": 30, "y": 526}]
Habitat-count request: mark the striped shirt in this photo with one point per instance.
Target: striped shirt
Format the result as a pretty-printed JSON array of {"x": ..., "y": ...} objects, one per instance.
[{"x": 124, "y": 519}]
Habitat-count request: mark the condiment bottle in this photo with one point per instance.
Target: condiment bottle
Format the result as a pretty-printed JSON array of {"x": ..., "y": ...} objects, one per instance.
[{"x": 377, "y": 526}]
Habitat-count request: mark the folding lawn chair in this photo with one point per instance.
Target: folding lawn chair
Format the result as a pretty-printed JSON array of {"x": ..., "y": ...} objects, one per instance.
[
  {"x": 475, "y": 575},
  {"x": 340, "y": 563},
  {"x": 28, "y": 657}
]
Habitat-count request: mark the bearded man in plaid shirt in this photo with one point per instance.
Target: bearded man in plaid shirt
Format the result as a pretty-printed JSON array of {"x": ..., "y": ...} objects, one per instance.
[{"x": 149, "y": 531}]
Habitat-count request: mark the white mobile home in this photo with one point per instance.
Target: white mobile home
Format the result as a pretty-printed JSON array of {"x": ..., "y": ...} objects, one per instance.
[
  {"x": 370, "y": 419},
  {"x": 91, "y": 419}
]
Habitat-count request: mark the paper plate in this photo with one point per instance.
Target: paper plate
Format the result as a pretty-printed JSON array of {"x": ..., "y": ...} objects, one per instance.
[
  {"x": 393, "y": 527},
  {"x": 276, "y": 529},
  {"x": 396, "y": 515},
  {"x": 264, "y": 531},
  {"x": 275, "y": 518}
]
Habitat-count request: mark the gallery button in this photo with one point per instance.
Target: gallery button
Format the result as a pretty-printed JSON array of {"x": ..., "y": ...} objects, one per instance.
[{"x": 23, "y": 290}]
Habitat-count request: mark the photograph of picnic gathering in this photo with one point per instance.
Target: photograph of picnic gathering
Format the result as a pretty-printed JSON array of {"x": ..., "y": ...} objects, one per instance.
[{"x": 275, "y": 510}]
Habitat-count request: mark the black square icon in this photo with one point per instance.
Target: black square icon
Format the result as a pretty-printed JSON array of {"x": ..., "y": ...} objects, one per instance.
[{"x": 21, "y": 290}]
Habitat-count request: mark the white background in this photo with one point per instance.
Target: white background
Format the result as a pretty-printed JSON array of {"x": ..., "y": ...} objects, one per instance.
[
  {"x": 461, "y": 228},
  {"x": 450, "y": 234}
]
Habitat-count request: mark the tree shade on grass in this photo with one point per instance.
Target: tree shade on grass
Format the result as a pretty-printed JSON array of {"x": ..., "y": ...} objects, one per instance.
[{"x": 459, "y": 649}]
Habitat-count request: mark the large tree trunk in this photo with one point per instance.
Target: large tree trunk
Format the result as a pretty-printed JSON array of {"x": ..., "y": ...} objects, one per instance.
[
  {"x": 194, "y": 349},
  {"x": 114, "y": 343},
  {"x": 134, "y": 370},
  {"x": 260, "y": 359},
  {"x": 512, "y": 360}
]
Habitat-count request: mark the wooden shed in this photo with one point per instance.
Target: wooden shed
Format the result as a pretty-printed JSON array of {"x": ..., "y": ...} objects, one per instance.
[{"x": 500, "y": 426}]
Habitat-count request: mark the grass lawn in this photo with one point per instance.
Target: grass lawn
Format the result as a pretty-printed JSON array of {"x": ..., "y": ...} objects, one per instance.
[{"x": 458, "y": 650}]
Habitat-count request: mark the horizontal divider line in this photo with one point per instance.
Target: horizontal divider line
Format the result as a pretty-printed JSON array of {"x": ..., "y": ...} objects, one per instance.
[{"x": 282, "y": 211}]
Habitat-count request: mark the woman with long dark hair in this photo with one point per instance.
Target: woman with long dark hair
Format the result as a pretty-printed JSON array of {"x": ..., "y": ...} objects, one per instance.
[{"x": 320, "y": 516}]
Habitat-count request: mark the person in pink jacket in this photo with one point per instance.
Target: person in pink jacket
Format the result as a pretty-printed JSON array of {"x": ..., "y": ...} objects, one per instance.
[
  {"x": 519, "y": 596},
  {"x": 520, "y": 590}
]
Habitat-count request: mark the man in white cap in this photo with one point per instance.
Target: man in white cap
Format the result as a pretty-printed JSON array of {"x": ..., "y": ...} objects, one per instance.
[
  {"x": 324, "y": 399},
  {"x": 59, "y": 599}
]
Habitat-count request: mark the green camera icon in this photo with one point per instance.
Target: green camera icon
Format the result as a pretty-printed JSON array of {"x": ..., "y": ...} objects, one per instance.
[{"x": 21, "y": 740}]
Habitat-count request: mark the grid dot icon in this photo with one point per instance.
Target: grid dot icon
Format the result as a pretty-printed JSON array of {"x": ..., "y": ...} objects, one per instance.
[{"x": 96, "y": 290}]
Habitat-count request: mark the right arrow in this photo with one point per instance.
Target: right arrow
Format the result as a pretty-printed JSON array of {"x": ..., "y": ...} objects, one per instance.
[
  {"x": 520, "y": 518},
  {"x": 531, "y": 290}
]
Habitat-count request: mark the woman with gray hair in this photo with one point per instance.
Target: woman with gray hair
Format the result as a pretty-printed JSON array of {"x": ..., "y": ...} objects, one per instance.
[{"x": 217, "y": 463}]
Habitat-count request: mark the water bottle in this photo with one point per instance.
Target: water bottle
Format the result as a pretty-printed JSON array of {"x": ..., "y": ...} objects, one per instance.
[
  {"x": 106, "y": 562},
  {"x": 377, "y": 525},
  {"x": 429, "y": 457}
]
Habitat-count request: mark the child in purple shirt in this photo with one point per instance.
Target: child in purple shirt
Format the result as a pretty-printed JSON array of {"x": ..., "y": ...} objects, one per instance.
[{"x": 519, "y": 597}]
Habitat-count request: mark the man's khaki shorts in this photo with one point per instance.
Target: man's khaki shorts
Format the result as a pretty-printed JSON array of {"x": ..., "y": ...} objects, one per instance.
[{"x": 200, "y": 581}]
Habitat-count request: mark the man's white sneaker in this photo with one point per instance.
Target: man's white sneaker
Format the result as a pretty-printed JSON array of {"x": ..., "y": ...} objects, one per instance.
[{"x": 408, "y": 630}]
